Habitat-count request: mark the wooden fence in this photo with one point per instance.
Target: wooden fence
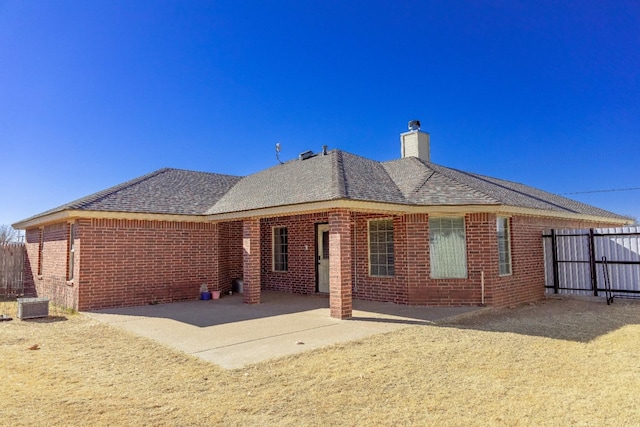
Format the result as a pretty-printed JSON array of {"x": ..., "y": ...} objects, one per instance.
[
  {"x": 12, "y": 258},
  {"x": 575, "y": 261}
]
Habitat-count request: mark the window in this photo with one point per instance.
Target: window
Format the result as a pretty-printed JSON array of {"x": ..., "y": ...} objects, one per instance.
[
  {"x": 381, "y": 257},
  {"x": 71, "y": 248},
  {"x": 280, "y": 249},
  {"x": 447, "y": 247},
  {"x": 504, "y": 246}
]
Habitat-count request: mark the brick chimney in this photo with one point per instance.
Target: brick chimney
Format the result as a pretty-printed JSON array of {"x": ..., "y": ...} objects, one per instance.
[{"x": 415, "y": 143}]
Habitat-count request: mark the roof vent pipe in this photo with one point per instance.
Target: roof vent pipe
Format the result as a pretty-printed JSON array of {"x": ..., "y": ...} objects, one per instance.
[{"x": 324, "y": 150}]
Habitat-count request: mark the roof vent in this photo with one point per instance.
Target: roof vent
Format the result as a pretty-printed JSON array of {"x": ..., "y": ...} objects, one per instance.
[
  {"x": 306, "y": 155},
  {"x": 414, "y": 125}
]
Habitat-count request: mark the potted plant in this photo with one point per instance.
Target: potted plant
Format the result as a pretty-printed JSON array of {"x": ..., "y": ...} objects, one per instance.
[{"x": 204, "y": 292}]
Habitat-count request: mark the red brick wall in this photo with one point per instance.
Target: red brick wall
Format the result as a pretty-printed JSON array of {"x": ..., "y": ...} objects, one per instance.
[
  {"x": 230, "y": 259},
  {"x": 136, "y": 262},
  {"x": 412, "y": 283},
  {"x": 301, "y": 275},
  {"x": 340, "y": 264},
  {"x": 129, "y": 262},
  {"x": 32, "y": 241},
  {"x": 526, "y": 284},
  {"x": 375, "y": 288},
  {"x": 251, "y": 256},
  {"x": 52, "y": 283},
  {"x": 482, "y": 256}
]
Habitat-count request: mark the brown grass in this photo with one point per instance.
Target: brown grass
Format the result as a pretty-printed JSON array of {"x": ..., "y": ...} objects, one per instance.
[{"x": 561, "y": 362}]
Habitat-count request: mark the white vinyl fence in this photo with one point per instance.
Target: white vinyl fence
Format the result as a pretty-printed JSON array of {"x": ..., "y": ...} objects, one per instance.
[{"x": 579, "y": 261}]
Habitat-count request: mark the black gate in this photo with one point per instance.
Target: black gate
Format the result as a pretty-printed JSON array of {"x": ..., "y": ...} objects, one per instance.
[{"x": 579, "y": 261}]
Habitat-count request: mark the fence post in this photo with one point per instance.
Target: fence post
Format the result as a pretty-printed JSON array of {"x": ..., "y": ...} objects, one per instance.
[
  {"x": 592, "y": 263},
  {"x": 554, "y": 260}
]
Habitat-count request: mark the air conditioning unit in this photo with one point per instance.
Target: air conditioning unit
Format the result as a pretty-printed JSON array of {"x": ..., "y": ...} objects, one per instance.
[{"x": 32, "y": 308}]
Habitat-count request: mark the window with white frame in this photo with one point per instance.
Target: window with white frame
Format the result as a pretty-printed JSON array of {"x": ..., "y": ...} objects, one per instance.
[
  {"x": 447, "y": 247},
  {"x": 504, "y": 246},
  {"x": 280, "y": 249},
  {"x": 381, "y": 258}
]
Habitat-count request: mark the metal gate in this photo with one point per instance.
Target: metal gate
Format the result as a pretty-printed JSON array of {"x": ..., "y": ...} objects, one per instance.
[{"x": 575, "y": 261}]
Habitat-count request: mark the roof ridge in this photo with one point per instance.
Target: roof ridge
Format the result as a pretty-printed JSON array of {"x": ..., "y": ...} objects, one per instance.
[
  {"x": 444, "y": 171},
  {"x": 418, "y": 161},
  {"x": 338, "y": 176},
  {"x": 199, "y": 172},
  {"x": 419, "y": 187}
]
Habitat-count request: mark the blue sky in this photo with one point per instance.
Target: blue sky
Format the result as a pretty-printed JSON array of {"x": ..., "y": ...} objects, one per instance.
[{"x": 94, "y": 93}]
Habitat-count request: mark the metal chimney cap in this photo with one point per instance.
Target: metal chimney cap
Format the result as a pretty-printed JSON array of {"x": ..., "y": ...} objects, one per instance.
[{"x": 414, "y": 125}]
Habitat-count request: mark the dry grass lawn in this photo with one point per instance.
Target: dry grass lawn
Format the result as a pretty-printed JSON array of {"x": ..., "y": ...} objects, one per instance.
[{"x": 557, "y": 363}]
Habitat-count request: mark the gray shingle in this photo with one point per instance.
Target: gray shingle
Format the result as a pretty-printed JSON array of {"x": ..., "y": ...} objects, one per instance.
[
  {"x": 422, "y": 185},
  {"x": 337, "y": 175},
  {"x": 368, "y": 180},
  {"x": 165, "y": 191},
  {"x": 431, "y": 184},
  {"x": 516, "y": 194},
  {"x": 294, "y": 182}
]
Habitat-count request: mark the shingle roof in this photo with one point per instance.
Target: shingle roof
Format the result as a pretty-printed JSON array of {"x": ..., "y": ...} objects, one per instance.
[
  {"x": 511, "y": 193},
  {"x": 294, "y": 182},
  {"x": 409, "y": 181},
  {"x": 422, "y": 184},
  {"x": 337, "y": 175},
  {"x": 165, "y": 191}
]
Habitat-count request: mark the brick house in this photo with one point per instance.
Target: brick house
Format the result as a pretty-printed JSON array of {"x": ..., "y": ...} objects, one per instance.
[{"x": 406, "y": 231}]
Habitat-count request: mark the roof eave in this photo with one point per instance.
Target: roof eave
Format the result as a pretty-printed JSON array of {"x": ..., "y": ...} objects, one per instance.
[
  {"x": 514, "y": 210},
  {"x": 69, "y": 215},
  {"x": 381, "y": 207},
  {"x": 39, "y": 221},
  {"x": 356, "y": 205},
  {"x": 302, "y": 208}
]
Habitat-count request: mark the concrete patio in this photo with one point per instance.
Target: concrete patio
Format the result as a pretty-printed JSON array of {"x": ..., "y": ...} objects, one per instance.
[{"x": 232, "y": 334}]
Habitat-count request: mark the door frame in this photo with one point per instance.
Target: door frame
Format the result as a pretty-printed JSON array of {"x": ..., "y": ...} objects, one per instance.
[{"x": 316, "y": 254}]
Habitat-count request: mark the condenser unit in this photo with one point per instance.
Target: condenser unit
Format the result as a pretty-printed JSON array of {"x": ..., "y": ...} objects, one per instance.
[{"x": 32, "y": 308}]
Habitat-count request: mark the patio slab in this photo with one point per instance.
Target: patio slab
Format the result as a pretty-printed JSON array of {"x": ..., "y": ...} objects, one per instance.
[{"x": 232, "y": 334}]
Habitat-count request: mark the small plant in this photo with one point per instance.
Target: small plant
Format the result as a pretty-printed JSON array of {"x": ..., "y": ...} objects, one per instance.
[{"x": 204, "y": 288}]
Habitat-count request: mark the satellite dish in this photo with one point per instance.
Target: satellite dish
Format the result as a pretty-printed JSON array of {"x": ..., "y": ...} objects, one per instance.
[{"x": 277, "y": 147}]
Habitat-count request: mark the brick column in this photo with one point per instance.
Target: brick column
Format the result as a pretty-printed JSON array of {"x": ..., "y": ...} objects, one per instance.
[
  {"x": 340, "y": 301},
  {"x": 251, "y": 258},
  {"x": 418, "y": 270}
]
